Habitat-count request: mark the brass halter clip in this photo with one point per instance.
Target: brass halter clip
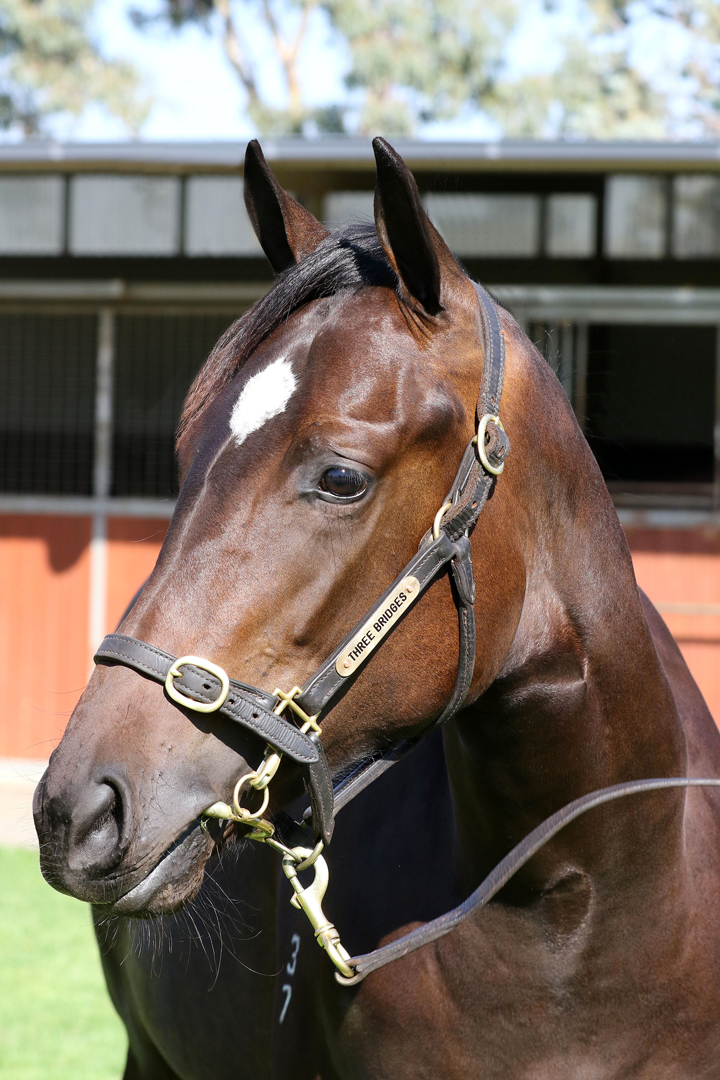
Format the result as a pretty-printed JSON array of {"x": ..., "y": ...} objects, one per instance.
[
  {"x": 272, "y": 758},
  {"x": 310, "y": 901},
  {"x": 308, "y": 722}
]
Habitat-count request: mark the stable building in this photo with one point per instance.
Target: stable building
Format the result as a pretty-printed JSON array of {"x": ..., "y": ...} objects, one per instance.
[{"x": 121, "y": 265}]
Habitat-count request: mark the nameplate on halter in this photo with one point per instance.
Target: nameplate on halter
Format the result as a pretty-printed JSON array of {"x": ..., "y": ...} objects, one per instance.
[{"x": 377, "y": 626}]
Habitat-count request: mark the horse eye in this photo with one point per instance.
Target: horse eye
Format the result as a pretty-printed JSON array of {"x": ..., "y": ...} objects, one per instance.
[{"x": 343, "y": 483}]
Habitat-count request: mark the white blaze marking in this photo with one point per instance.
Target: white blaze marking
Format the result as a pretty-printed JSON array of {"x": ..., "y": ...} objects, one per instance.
[{"x": 264, "y": 395}]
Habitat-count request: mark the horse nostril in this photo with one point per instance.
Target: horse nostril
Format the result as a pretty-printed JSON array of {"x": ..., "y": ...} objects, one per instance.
[{"x": 95, "y": 836}]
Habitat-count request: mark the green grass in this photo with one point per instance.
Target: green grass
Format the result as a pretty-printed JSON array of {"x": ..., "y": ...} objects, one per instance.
[{"x": 56, "y": 1019}]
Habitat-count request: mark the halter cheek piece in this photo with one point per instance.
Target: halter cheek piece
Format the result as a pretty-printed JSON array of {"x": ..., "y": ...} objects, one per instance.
[{"x": 199, "y": 685}]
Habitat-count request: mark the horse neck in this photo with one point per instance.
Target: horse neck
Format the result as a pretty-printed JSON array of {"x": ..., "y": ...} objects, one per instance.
[{"x": 581, "y": 701}]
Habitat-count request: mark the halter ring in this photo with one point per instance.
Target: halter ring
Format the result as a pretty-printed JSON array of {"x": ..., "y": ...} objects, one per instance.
[
  {"x": 188, "y": 702},
  {"x": 249, "y": 816},
  {"x": 438, "y": 519},
  {"x": 488, "y": 418}
]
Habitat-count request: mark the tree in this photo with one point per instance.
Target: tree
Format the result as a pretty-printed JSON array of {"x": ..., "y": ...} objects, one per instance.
[
  {"x": 285, "y": 25},
  {"x": 633, "y": 69},
  {"x": 49, "y": 65},
  {"x": 411, "y": 60},
  {"x": 421, "y": 60},
  {"x": 415, "y": 61}
]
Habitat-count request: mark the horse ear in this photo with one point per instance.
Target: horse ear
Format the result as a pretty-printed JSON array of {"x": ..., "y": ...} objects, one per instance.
[
  {"x": 286, "y": 230},
  {"x": 413, "y": 245}
]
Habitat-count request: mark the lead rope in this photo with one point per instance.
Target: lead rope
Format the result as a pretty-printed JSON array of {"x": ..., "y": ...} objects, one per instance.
[{"x": 364, "y": 964}]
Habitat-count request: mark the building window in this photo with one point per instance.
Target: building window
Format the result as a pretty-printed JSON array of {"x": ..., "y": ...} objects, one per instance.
[
  {"x": 635, "y": 217},
  {"x": 340, "y": 207},
  {"x": 487, "y": 226},
  {"x": 650, "y": 404},
  {"x": 31, "y": 215},
  {"x": 216, "y": 222},
  {"x": 571, "y": 224},
  {"x": 696, "y": 217},
  {"x": 124, "y": 215},
  {"x": 47, "y": 403}
]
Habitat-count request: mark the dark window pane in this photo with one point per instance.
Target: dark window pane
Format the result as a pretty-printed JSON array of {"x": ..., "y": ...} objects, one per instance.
[
  {"x": 156, "y": 359},
  {"x": 47, "y": 403},
  {"x": 650, "y": 402}
]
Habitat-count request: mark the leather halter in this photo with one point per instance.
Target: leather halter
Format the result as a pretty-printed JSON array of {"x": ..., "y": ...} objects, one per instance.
[{"x": 197, "y": 684}]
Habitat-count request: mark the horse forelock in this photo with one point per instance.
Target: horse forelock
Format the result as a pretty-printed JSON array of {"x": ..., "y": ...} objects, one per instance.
[{"x": 351, "y": 258}]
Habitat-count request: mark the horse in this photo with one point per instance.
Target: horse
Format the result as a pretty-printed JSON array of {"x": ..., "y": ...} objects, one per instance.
[{"x": 316, "y": 450}]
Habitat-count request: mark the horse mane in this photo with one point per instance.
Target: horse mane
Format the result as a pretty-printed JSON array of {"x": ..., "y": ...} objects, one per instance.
[{"x": 349, "y": 259}]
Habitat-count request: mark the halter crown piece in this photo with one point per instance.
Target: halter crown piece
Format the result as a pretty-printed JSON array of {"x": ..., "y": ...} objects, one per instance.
[{"x": 197, "y": 684}]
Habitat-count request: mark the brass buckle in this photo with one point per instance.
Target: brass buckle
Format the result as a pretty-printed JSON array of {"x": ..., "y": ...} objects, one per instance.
[{"x": 204, "y": 665}]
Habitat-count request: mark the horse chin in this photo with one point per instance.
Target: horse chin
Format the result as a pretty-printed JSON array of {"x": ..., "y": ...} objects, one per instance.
[{"x": 173, "y": 882}]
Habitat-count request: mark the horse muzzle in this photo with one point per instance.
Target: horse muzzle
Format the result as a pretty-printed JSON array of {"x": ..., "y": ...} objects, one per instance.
[{"x": 92, "y": 848}]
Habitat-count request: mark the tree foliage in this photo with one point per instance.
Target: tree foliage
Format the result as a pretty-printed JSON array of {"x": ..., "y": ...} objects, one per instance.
[
  {"x": 632, "y": 70},
  {"x": 415, "y": 61},
  {"x": 421, "y": 60},
  {"x": 411, "y": 60},
  {"x": 49, "y": 65}
]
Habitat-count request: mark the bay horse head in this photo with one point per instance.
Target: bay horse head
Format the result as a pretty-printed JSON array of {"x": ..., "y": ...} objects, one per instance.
[{"x": 315, "y": 449}]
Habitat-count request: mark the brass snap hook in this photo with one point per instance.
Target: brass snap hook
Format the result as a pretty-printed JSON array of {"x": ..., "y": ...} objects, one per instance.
[{"x": 310, "y": 901}]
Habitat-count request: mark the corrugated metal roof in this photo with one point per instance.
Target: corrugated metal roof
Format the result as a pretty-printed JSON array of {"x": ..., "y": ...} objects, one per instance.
[{"x": 356, "y": 153}]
